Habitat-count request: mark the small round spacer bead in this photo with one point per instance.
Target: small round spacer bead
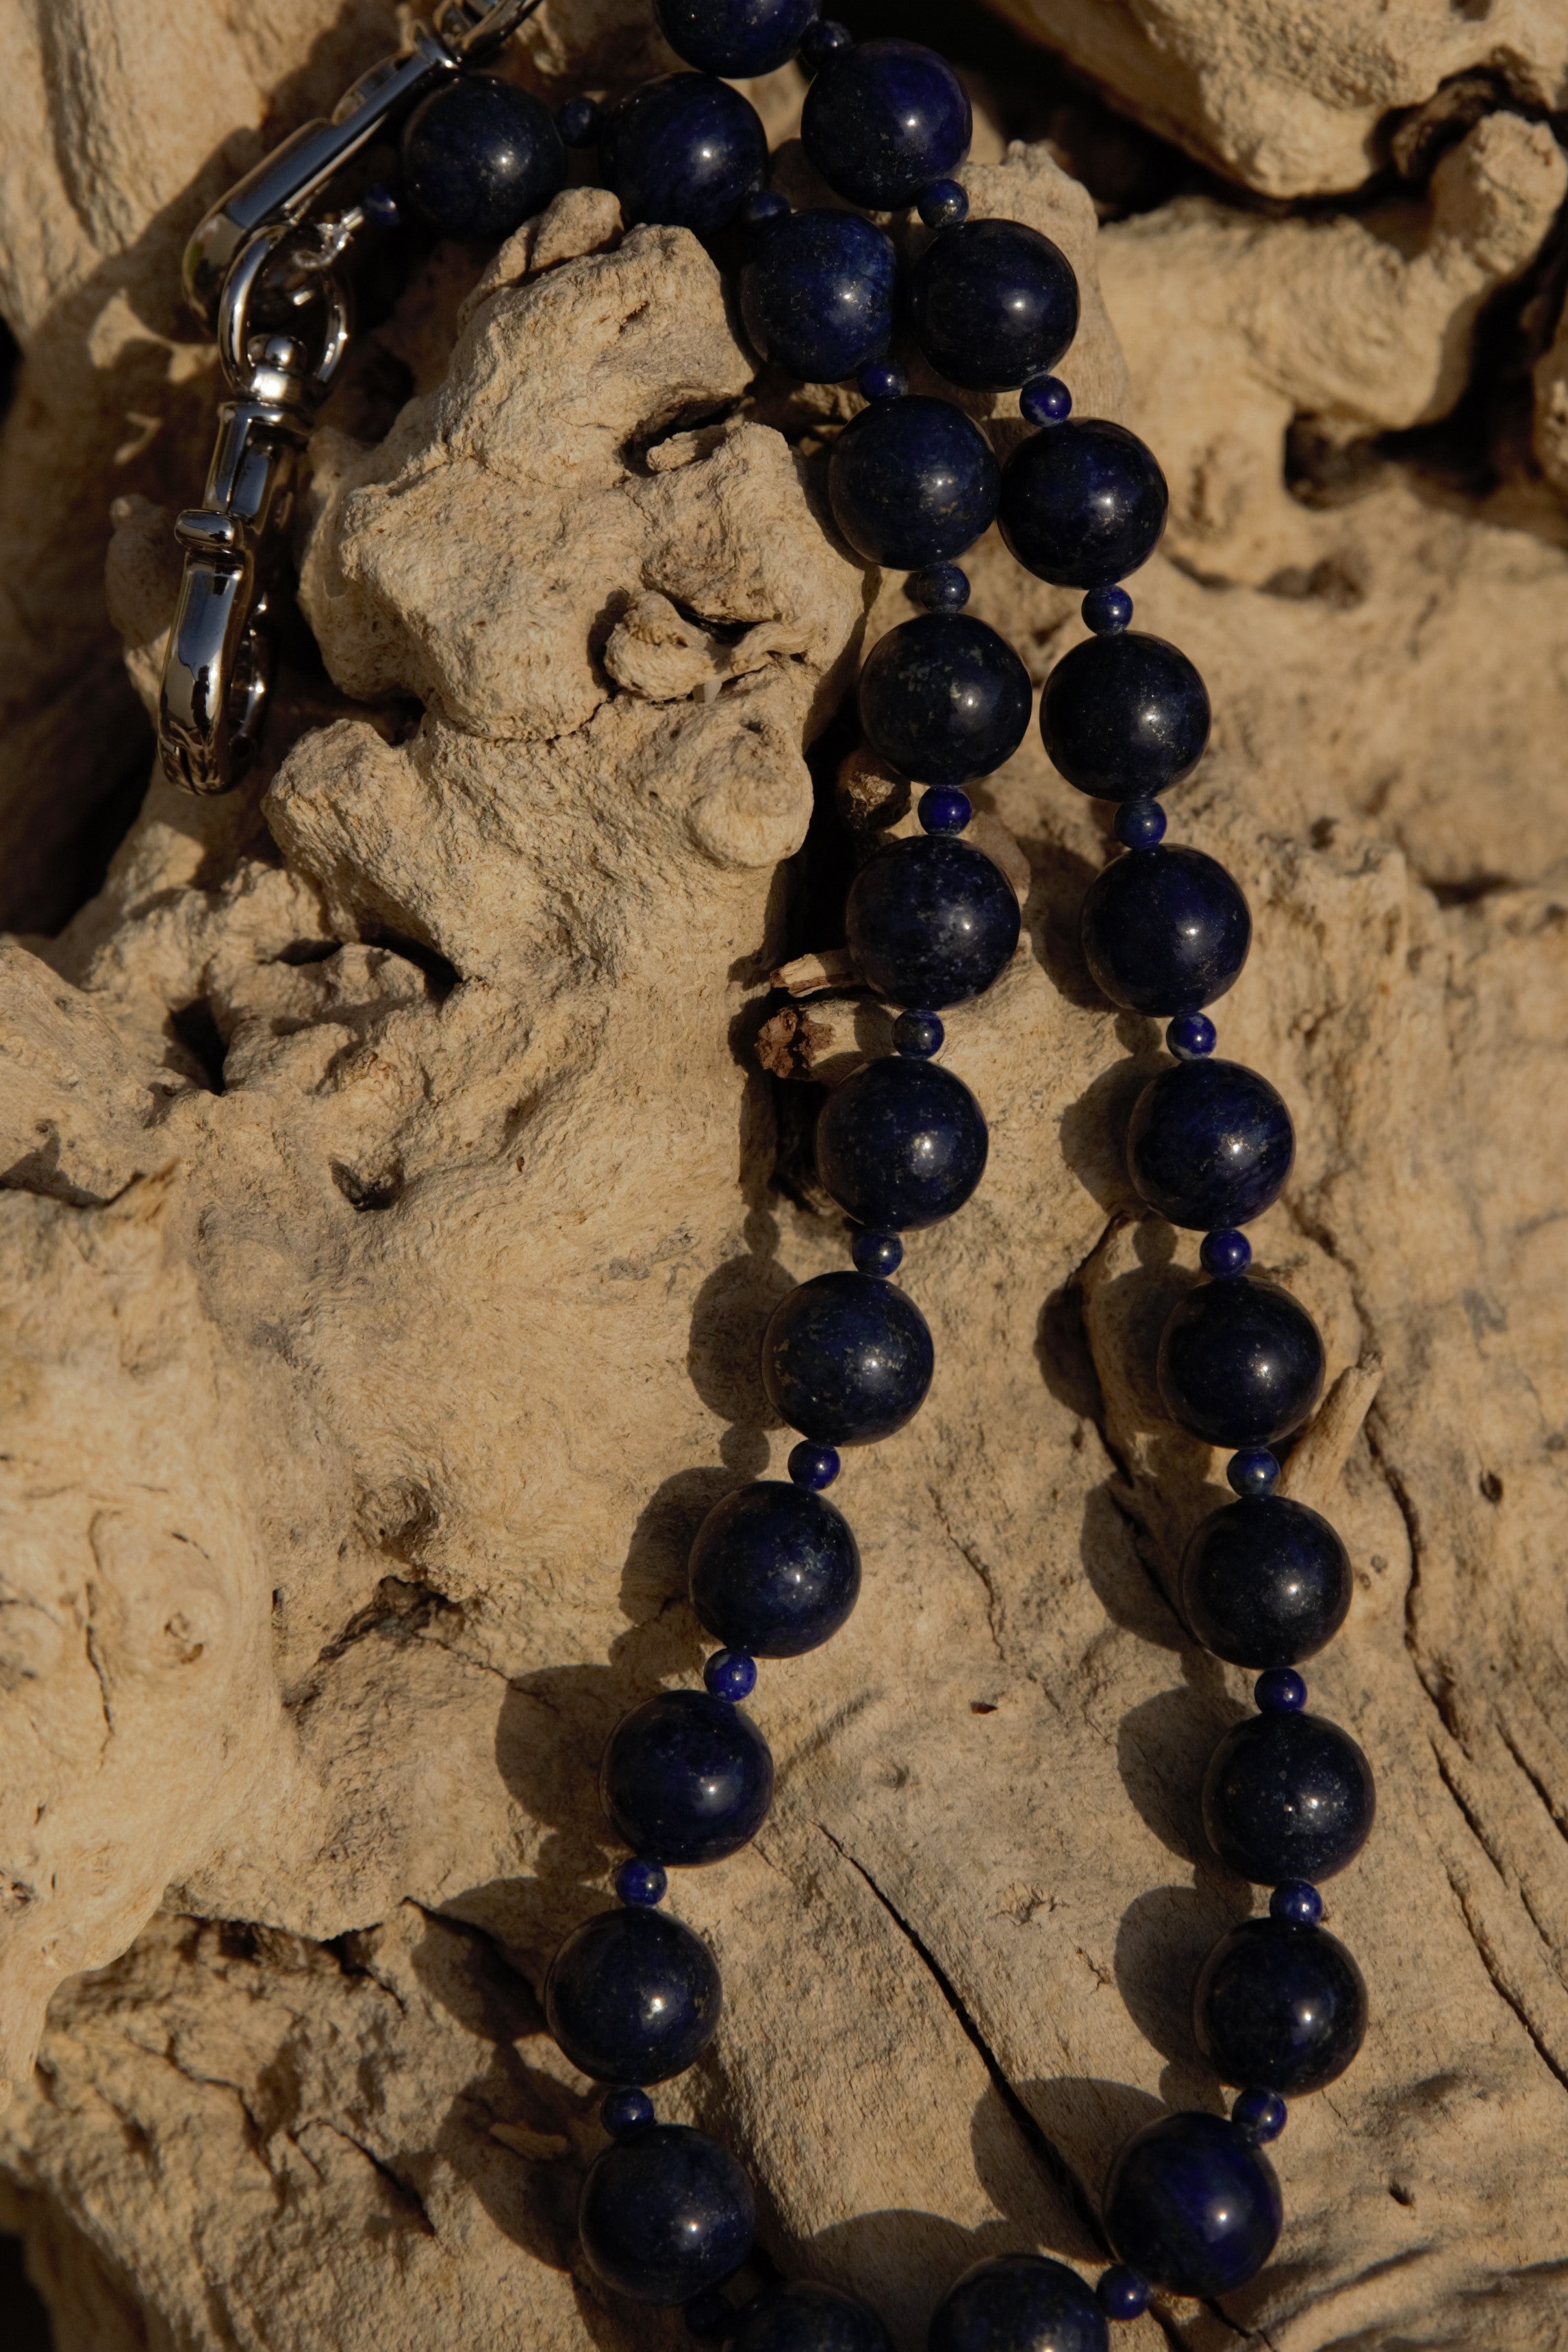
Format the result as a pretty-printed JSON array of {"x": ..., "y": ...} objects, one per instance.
[
  {"x": 579, "y": 122},
  {"x": 944, "y": 809},
  {"x": 882, "y": 380},
  {"x": 1299, "y": 1904},
  {"x": 625, "y": 2112},
  {"x": 641, "y": 1882},
  {"x": 1107, "y": 611},
  {"x": 1121, "y": 2293},
  {"x": 944, "y": 204},
  {"x": 1140, "y": 824},
  {"x": 762, "y": 206},
  {"x": 1045, "y": 400},
  {"x": 1254, "y": 1472},
  {"x": 730, "y": 1674},
  {"x": 1259, "y": 2116},
  {"x": 1280, "y": 1691},
  {"x": 1224, "y": 1253},
  {"x": 917, "y": 1034},
  {"x": 710, "y": 2316},
  {"x": 381, "y": 206},
  {"x": 814, "y": 1467},
  {"x": 878, "y": 1254},
  {"x": 822, "y": 40},
  {"x": 1191, "y": 1036},
  {"x": 940, "y": 588}
]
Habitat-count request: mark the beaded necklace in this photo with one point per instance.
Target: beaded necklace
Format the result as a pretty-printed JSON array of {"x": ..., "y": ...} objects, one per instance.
[{"x": 1191, "y": 2204}]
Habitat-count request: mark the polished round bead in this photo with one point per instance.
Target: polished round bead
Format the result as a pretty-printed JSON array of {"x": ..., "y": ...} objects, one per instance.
[
  {"x": 1259, "y": 2116},
  {"x": 1124, "y": 717},
  {"x": 944, "y": 809},
  {"x": 882, "y": 380},
  {"x": 807, "y": 2317},
  {"x": 1265, "y": 1582},
  {"x": 632, "y": 1996},
  {"x": 1045, "y": 400},
  {"x": 1083, "y": 504},
  {"x": 912, "y": 481},
  {"x": 763, "y": 207},
  {"x": 480, "y": 157},
  {"x": 1280, "y": 1690},
  {"x": 731, "y": 1675},
  {"x": 1107, "y": 611},
  {"x": 1121, "y": 2293},
  {"x": 878, "y": 1254},
  {"x": 640, "y": 1882},
  {"x": 665, "y": 2215},
  {"x": 1280, "y": 2005},
  {"x": 939, "y": 588},
  {"x": 380, "y": 208},
  {"x": 686, "y": 150},
  {"x": 1287, "y": 1796},
  {"x": 1225, "y": 1252},
  {"x": 1018, "y": 2303},
  {"x": 1256, "y": 1472},
  {"x": 1240, "y": 1363},
  {"x": 1139, "y": 825},
  {"x": 579, "y": 121},
  {"x": 1210, "y": 1143},
  {"x": 992, "y": 304},
  {"x": 944, "y": 204},
  {"x": 1190, "y": 2206},
  {"x": 823, "y": 40},
  {"x": 931, "y": 921},
  {"x": 815, "y": 1466},
  {"x": 710, "y": 2316},
  {"x": 847, "y": 1358},
  {"x": 736, "y": 38},
  {"x": 1297, "y": 1902},
  {"x": 884, "y": 119},
  {"x": 687, "y": 1778},
  {"x": 625, "y": 2112},
  {"x": 919, "y": 1034},
  {"x": 901, "y": 1144},
  {"x": 817, "y": 296},
  {"x": 1164, "y": 931},
  {"x": 943, "y": 698},
  {"x": 1191, "y": 1036},
  {"x": 775, "y": 1570}
]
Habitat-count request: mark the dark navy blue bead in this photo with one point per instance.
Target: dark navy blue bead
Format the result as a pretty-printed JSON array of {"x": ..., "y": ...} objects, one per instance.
[
  {"x": 1083, "y": 504},
  {"x": 1191, "y": 1036},
  {"x": 775, "y": 1570},
  {"x": 579, "y": 121},
  {"x": 1240, "y": 1363},
  {"x": 1287, "y": 1796},
  {"x": 944, "y": 809},
  {"x": 1139, "y": 825},
  {"x": 1193, "y": 2207},
  {"x": 625, "y": 2112},
  {"x": 731, "y": 1675},
  {"x": 1280, "y": 1690},
  {"x": 805, "y": 2318},
  {"x": 479, "y": 156},
  {"x": 665, "y": 2215},
  {"x": 1265, "y": 1582},
  {"x": 381, "y": 206},
  {"x": 1164, "y": 931},
  {"x": 1280, "y": 2005},
  {"x": 817, "y": 296},
  {"x": 1258, "y": 2115},
  {"x": 917, "y": 1033},
  {"x": 640, "y": 1882},
  {"x": 884, "y": 119},
  {"x": 736, "y": 38},
  {"x": 1018, "y": 2303},
  {"x": 931, "y": 921},
  {"x": 1297, "y": 1902},
  {"x": 1256, "y": 1472},
  {"x": 1122, "y": 2293},
  {"x": 823, "y": 40},
  {"x": 944, "y": 204},
  {"x": 632, "y": 1996},
  {"x": 882, "y": 380},
  {"x": 992, "y": 304},
  {"x": 1124, "y": 717},
  {"x": 901, "y": 1144},
  {"x": 940, "y": 588},
  {"x": 763, "y": 207},
  {"x": 878, "y": 1254},
  {"x": 687, "y": 1778},
  {"x": 847, "y": 1358},
  {"x": 943, "y": 698},
  {"x": 686, "y": 150},
  {"x": 710, "y": 2318},
  {"x": 1210, "y": 1143},
  {"x": 1045, "y": 400},
  {"x": 815, "y": 1466},
  {"x": 912, "y": 481},
  {"x": 1107, "y": 611},
  {"x": 1223, "y": 1253}
]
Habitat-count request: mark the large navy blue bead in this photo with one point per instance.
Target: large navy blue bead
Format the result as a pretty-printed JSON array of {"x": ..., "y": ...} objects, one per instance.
[
  {"x": 807, "y": 2317},
  {"x": 1280, "y": 2005},
  {"x": 1210, "y": 1143},
  {"x": 686, "y": 1777},
  {"x": 1240, "y": 1363},
  {"x": 1123, "y": 717},
  {"x": 817, "y": 294},
  {"x": 1018, "y": 2303},
  {"x": 479, "y": 156},
  {"x": 736, "y": 38},
  {"x": 1265, "y": 1582},
  {"x": 945, "y": 698},
  {"x": 847, "y": 1358},
  {"x": 1164, "y": 931},
  {"x": 1192, "y": 2207},
  {"x": 633, "y": 1997},
  {"x": 901, "y": 1144},
  {"x": 1287, "y": 1796},
  {"x": 884, "y": 119},
  {"x": 913, "y": 482},
  {"x": 1083, "y": 503},
  {"x": 666, "y": 2214},
  {"x": 775, "y": 1570},
  {"x": 931, "y": 921},
  {"x": 993, "y": 303},
  {"x": 686, "y": 150}
]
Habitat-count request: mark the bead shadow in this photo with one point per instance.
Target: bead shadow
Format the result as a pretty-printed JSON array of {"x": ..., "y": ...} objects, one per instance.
[
  {"x": 902, "y": 2262},
  {"x": 1163, "y": 1747},
  {"x": 1131, "y": 1592},
  {"x": 1093, "y": 1130},
  {"x": 1050, "y": 918},
  {"x": 1162, "y": 1940}
]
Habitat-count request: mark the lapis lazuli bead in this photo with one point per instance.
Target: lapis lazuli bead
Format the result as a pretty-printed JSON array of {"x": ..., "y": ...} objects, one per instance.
[
  {"x": 1280, "y": 1690},
  {"x": 1190, "y": 2206},
  {"x": 625, "y": 2112},
  {"x": 737, "y": 38},
  {"x": 992, "y": 304},
  {"x": 912, "y": 481},
  {"x": 1280, "y": 2004},
  {"x": 1240, "y": 1363},
  {"x": 944, "y": 204},
  {"x": 666, "y": 2214},
  {"x": 1139, "y": 825},
  {"x": 1297, "y": 1902},
  {"x": 381, "y": 206},
  {"x": 687, "y": 152},
  {"x": 1014, "y": 2303},
  {"x": 917, "y": 1033},
  {"x": 882, "y": 380},
  {"x": 807, "y": 2317},
  {"x": 943, "y": 698},
  {"x": 579, "y": 121},
  {"x": 640, "y": 1882},
  {"x": 1256, "y": 1471},
  {"x": 1287, "y": 1796},
  {"x": 930, "y": 921},
  {"x": 1191, "y": 1036},
  {"x": 1083, "y": 504},
  {"x": 1226, "y": 1252},
  {"x": 731, "y": 1675},
  {"x": 762, "y": 207},
  {"x": 817, "y": 295},
  {"x": 847, "y": 1358},
  {"x": 1258, "y": 2115},
  {"x": 710, "y": 2316},
  {"x": 939, "y": 588},
  {"x": 901, "y": 1144},
  {"x": 480, "y": 157},
  {"x": 1210, "y": 1143},
  {"x": 944, "y": 809},
  {"x": 823, "y": 40},
  {"x": 815, "y": 1466},
  {"x": 884, "y": 119},
  {"x": 632, "y": 1996},
  {"x": 1124, "y": 717},
  {"x": 1107, "y": 611},
  {"x": 775, "y": 1570},
  {"x": 1045, "y": 400},
  {"x": 878, "y": 1254},
  {"x": 686, "y": 1778},
  {"x": 1121, "y": 2293},
  {"x": 1164, "y": 931},
  {"x": 1265, "y": 1582}
]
